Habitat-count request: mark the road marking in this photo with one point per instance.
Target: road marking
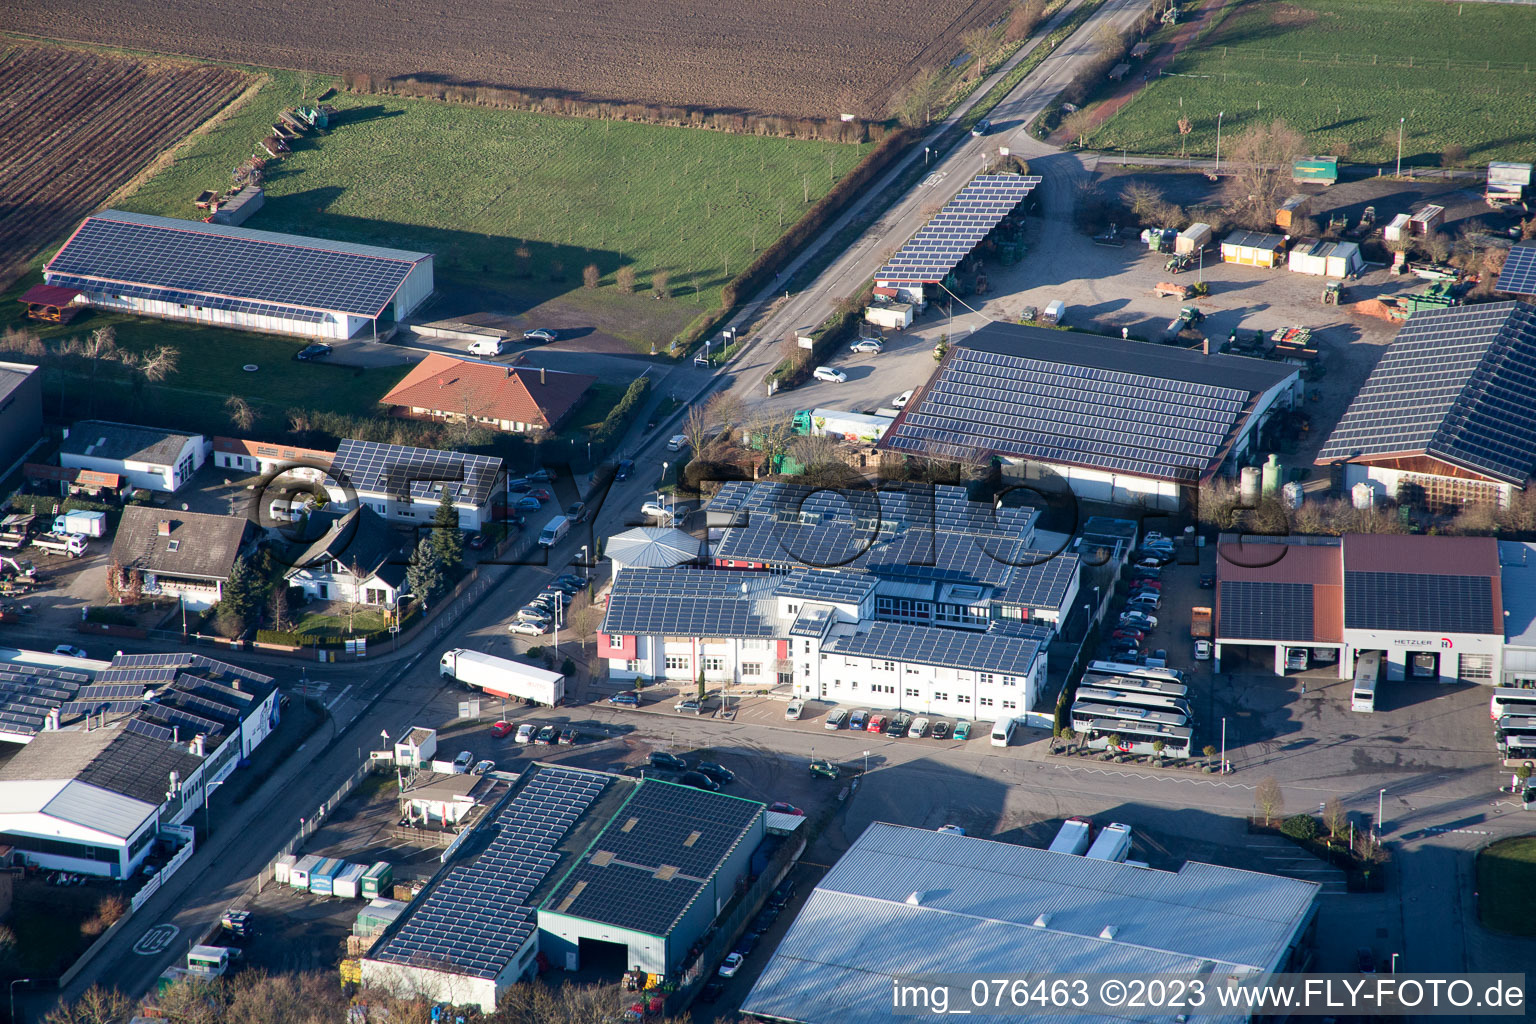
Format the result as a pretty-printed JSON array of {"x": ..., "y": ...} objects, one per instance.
[
  {"x": 337, "y": 699},
  {"x": 1153, "y": 778},
  {"x": 1439, "y": 830},
  {"x": 157, "y": 940}
]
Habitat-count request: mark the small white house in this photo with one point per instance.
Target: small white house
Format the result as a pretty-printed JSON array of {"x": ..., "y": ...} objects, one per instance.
[
  {"x": 147, "y": 458},
  {"x": 355, "y": 557},
  {"x": 894, "y": 316},
  {"x": 417, "y": 748}
]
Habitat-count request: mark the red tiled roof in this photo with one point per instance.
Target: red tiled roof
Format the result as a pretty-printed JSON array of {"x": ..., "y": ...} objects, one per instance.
[
  {"x": 451, "y": 386},
  {"x": 96, "y": 478},
  {"x": 268, "y": 450},
  {"x": 1421, "y": 554}
]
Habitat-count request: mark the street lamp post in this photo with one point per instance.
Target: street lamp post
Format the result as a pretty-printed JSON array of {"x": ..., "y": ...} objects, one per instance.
[
  {"x": 1223, "y": 744},
  {"x": 1400, "y": 122},
  {"x": 866, "y": 762},
  {"x": 1219, "y": 116},
  {"x": 1381, "y": 796},
  {"x": 1394, "y": 962},
  {"x": 14, "y": 983},
  {"x": 208, "y": 828}
]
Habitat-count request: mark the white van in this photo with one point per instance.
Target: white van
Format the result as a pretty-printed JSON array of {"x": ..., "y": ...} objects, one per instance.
[
  {"x": 1003, "y": 730},
  {"x": 1113, "y": 843},
  {"x": 487, "y": 347},
  {"x": 556, "y": 528}
]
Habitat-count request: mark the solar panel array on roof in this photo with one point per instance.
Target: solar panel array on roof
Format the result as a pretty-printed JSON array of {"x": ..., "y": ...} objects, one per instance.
[
  {"x": 398, "y": 470},
  {"x": 824, "y": 585},
  {"x": 661, "y": 846},
  {"x": 1418, "y": 602},
  {"x": 1267, "y": 611},
  {"x": 476, "y": 918},
  {"x": 107, "y": 292},
  {"x": 688, "y": 602},
  {"x": 987, "y": 402},
  {"x": 29, "y": 692},
  {"x": 1519, "y": 274},
  {"x": 1458, "y": 385},
  {"x": 931, "y": 645},
  {"x": 255, "y": 266},
  {"x": 964, "y": 221}
]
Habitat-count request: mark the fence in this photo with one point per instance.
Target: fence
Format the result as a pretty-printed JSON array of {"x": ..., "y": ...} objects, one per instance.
[
  {"x": 171, "y": 867},
  {"x": 1381, "y": 60},
  {"x": 309, "y": 825}
]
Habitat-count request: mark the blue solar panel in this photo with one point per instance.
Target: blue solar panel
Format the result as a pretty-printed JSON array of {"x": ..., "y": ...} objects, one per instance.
[
  {"x": 1519, "y": 274},
  {"x": 963, "y": 222},
  {"x": 209, "y": 262}
]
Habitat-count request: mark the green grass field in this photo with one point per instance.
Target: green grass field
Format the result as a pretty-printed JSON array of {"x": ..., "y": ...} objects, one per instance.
[
  {"x": 474, "y": 185},
  {"x": 1344, "y": 72},
  {"x": 1506, "y": 902}
]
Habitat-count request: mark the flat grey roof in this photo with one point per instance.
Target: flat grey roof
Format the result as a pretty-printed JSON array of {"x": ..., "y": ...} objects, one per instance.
[
  {"x": 103, "y": 439},
  {"x": 906, "y": 901}
]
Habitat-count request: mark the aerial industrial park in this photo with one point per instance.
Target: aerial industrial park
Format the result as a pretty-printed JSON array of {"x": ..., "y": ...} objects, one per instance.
[{"x": 799, "y": 515}]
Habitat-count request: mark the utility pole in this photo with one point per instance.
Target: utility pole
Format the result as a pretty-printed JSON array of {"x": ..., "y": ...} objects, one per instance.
[
  {"x": 1219, "y": 116},
  {"x": 1400, "y": 122},
  {"x": 1223, "y": 744}
]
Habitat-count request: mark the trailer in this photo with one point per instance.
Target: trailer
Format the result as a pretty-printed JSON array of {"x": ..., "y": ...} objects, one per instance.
[
  {"x": 500, "y": 677},
  {"x": 1073, "y": 837},
  {"x": 60, "y": 544},
  {"x": 376, "y": 880},
  {"x": 1167, "y": 289},
  {"x": 348, "y": 884},
  {"x": 298, "y": 872},
  {"x": 238, "y": 210},
  {"x": 322, "y": 877},
  {"x": 1113, "y": 844},
  {"x": 1193, "y": 239},
  {"x": 1427, "y": 221},
  {"x": 1200, "y": 623},
  {"x": 291, "y": 118},
  {"x": 16, "y": 531},
  {"x": 1507, "y": 183}
]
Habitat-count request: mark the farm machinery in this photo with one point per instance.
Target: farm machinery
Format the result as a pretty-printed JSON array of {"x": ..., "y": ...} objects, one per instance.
[
  {"x": 1334, "y": 293},
  {"x": 1169, "y": 289},
  {"x": 1180, "y": 263},
  {"x": 1293, "y": 345},
  {"x": 1246, "y": 343},
  {"x": 1189, "y": 316}
]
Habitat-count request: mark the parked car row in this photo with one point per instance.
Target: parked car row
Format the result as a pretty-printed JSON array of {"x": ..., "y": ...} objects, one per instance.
[
  {"x": 901, "y": 724},
  {"x": 538, "y": 616}
]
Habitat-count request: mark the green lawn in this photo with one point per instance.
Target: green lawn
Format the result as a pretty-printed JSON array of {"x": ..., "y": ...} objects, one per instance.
[
  {"x": 1344, "y": 72},
  {"x": 472, "y": 185},
  {"x": 1506, "y": 899},
  {"x": 366, "y": 620}
]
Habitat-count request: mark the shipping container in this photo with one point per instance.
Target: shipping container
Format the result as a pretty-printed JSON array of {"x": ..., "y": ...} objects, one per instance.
[
  {"x": 348, "y": 884},
  {"x": 1427, "y": 221},
  {"x": 1316, "y": 170},
  {"x": 1193, "y": 239},
  {"x": 1396, "y": 229},
  {"x": 1293, "y": 209},
  {"x": 322, "y": 877},
  {"x": 282, "y": 868},
  {"x": 1252, "y": 249},
  {"x": 377, "y": 880}
]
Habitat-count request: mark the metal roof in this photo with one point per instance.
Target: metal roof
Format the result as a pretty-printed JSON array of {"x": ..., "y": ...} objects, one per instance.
[
  {"x": 215, "y": 265},
  {"x": 875, "y": 915},
  {"x": 1517, "y": 588},
  {"x": 1081, "y": 400},
  {"x": 932, "y": 645},
  {"x": 122, "y": 442},
  {"x": 651, "y": 547},
  {"x": 1457, "y": 385},
  {"x": 101, "y": 809}
]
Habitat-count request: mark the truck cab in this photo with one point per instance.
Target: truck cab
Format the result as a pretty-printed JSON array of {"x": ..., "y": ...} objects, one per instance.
[{"x": 209, "y": 961}]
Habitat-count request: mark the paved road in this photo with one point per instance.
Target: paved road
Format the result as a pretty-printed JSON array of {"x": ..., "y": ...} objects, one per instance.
[{"x": 950, "y": 175}]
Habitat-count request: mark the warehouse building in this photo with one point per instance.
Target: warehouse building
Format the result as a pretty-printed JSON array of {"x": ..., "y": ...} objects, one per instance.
[
  {"x": 1431, "y": 605},
  {"x": 1446, "y": 418},
  {"x": 21, "y": 412},
  {"x": 905, "y": 903},
  {"x": 124, "y": 749},
  {"x": 919, "y": 270},
  {"x": 1112, "y": 420},
  {"x": 235, "y": 277},
  {"x": 147, "y": 458},
  {"x": 582, "y": 869}
]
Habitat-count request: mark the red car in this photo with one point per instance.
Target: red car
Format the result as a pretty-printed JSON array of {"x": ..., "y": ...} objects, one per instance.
[
  {"x": 1127, "y": 634},
  {"x": 1146, "y": 585},
  {"x": 877, "y": 723},
  {"x": 541, "y": 493},
  {"x": 783, "y": 808},
  {"x": 501, "y": 730}
]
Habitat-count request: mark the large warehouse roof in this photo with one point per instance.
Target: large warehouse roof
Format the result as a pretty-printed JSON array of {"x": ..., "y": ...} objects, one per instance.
[
  {"x": 1458, "y": 386},
  {"x": 679, "y": 601},
  {"x": 963, "y": 222},
  {"x": 224, "y": 267},
  {"x": 1082, "y": 400},
  {"x": 654, "y": 857},
  {"x": 906, "y": 902},
  {"x": 1519, "y": 274},
  {"x": 400, "y": 471}
]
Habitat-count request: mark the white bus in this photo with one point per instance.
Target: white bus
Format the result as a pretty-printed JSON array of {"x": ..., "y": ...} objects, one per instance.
[
  {"x": 1517, "y": 736},
  {"x": 1511, "y": 700},
  {"x": 1085, "y": 713},
  {"x": 1362, "y": 695},
  {"x": 1135, "y": 737},
  {"x": 1150, "y": 701},
  {"x": 1142, "y": 684},
  {"x": 1113, "y": 843},
  {"x": 1121, "y": 668}
]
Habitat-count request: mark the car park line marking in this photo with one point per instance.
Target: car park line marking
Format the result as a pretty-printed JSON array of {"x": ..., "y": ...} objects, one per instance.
[{"x": 157, "y": 940}]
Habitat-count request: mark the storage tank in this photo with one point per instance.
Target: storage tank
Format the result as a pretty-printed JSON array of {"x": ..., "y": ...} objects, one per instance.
[
  {"x": 1292, "y": 495},
  {"x": 1248, "y": 482},
  {"x": 1363, "y": 495},
  {"x": 1271, "y": 476}
]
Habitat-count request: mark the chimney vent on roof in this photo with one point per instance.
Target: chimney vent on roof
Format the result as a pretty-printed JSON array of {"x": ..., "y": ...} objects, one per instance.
[
  {"x": 1110, "y": 931},
  {"x": 165, "y": 528},
  {"x": 197, "y": 746},
  {"x": 541, "y": 375},
  {"x": 1205, "y": 346},
  {"x": 916, "y": 899},
  {"x": 1043, "y": 921}
]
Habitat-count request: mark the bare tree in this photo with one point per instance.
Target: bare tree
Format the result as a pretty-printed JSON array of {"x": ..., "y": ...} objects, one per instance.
[
  {"x": 725, "y": 408},
  {"x": 240, "y": 413},
  {"x": 1268, "y": 798},
  {"x": 914, "y": 106},
  {"x": 1260, "y": 166},
  {"x": 1023, "y": 18},
  {"x": 624, "y": 279},
  {"x": 1454, "y": 155},
  {"x": 697, "y": 429},
  {"x": 591, "y": 276},
  {"x": 771, "y": 435},
  {"x": 661, "y": 284},
  {"x": 1335, "y": 818},
  {"x": 277, "y": 604},
  {"x": 1145, "y": 200},
  {"x": 157, "y": 364},
  {"x": 1075, "y": 126},
  {"x": 982, "y": 44}
]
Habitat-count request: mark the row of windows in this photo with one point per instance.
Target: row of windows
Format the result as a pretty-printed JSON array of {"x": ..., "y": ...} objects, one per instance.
[{"x": 684, "y": 663}]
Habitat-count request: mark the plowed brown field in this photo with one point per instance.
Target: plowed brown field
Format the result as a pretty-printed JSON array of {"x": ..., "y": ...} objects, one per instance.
[
  {"x": 797, "y": 57},
  {"x": 75, "y": 125}
]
